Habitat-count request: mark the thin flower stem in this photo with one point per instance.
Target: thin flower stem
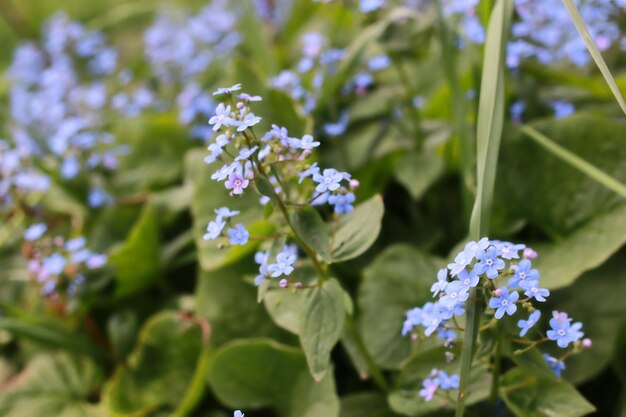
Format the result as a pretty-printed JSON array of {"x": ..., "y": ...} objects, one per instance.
[{"x": 321, "y": 271}]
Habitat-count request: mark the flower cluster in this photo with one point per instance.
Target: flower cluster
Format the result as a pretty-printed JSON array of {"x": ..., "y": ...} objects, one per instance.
[
  {"x": 438, "y": 380},
  {"x": 317, "y": 63},
  {"x": 277, "y": 165},
  {"x": 57, "y": 264},
  {"x": 59, "y": 93},
  {"x": 181, "y": 48},
  {"x": 504, "y": 273}
]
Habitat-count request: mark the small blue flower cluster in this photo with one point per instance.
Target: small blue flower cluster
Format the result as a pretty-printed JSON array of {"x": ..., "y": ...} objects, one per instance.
[
  {"x": 57, "y": 110},
  {"x": 276, "y": 159},
  {"x": 57, "y": 264},
  {"x": 18, "y": 178},
  {"x": 181, "y": 48},
  {"x": 438, "y": 380},
  {"x": 317, "y": 63},
  {"x": 499, "y": 270}
]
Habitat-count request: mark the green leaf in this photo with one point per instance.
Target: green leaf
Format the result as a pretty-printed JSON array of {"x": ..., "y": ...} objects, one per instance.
[
  {"x": 252, "y": 374},
  {"x": 136, "y": 261},
  {"x": 53, "y": 386},
  {"x": 565, "y": 199},
  {"x": 365, "y": 404},
  {"x": 280, "y": 109},
  {"x": 159, "y": 369},
  {"x": 397, "y": 280},
  {"x": 355, "y": 232},
  {"x": 322, "y": 325},
  {"x": 51, "y": 335},
  {"x": 226, "y": 301},
  {"x": 122, "y": 332},
  {"x": 158, "y": 144},
  {"x": 314, "y": 232},
  {"x": 562, "y": 262},
  {"x": 528, "y": 395},
  {"x": 209, "y": 195},
  {"x": 417, "y": 172}
]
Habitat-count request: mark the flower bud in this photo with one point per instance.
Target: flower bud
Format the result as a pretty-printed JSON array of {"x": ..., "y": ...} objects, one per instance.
[
  {"x": 283, "y": 283},
  {"x": 354, "y": 184},
  {"x": 587, "y": 343},
  {"x": 498, "y": 292},
  {"x": 529, "y": 254}
]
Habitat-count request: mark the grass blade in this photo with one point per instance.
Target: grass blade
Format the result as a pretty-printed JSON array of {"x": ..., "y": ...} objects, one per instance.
[
  {"x": 575, "y": 161},
  {"x": 594, "y": 51},
  {"x": 488, "y": 133}
]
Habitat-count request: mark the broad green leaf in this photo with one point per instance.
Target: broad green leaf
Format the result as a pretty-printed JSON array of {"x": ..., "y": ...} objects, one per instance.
[
  {"x": 533, "y": 361},
  {"x": 528, "y": 395},
  {"x": 122, "y": 332},
  {"x": 397, "y": 280},
  {"x": 252, "y": 374},
  {"x": 229, "y": 304},
  {"x": 365, "y": 404},
  {"x": 136, "y": 261},
  {"x": 279, "y": 109},
  {"x": 53, "y": 386},
  {"x": 314, "y": 232},
  {"x": 158, "y": 144},
  {"x": 417, "y": 172},
  {"x": 562, "y": 262},
  {"x": 159, "y": 369},
  {"x": 551, "y": 194},
  {"x": 51, "y": 335},
  {"x": 355, "y": 232},
  {"x": 322, "y": 324},
  {"x": 596, "y": 300},
  {"x": 286, "y": 308},
  {"x": 209, "y": 195}
]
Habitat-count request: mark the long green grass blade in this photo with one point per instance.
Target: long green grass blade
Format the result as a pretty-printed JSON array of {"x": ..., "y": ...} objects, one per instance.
[
  {"x": 575, "y": 161},
  {"x": 488, "y": 133},
  {"x": 594, "y": 51}
]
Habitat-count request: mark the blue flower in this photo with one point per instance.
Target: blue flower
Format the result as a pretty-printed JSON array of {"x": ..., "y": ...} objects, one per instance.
[
  {"x": 309, "y": 172},
  {"x": 555, "y": 364},
  {"x": 70, "y": 167},
  {"x": 238, "y": 235},
  {"x": 307, "y": 143},
  {"x": 442, "y": 282},
  {"x": 214, "y": 229},
  {"x": 368, "y": 6},
  {"x": 327, "y": 181},
  {"x": 532, "y": 290},
  {"x": 460, "y": 262},
  {"x": 489, "y": 263},
  {"x": 378, "y": 62},
  {"x": 222, "y": 117},
  {"x": 246, "y": 153},
  {"x": 563, "y": 332},
  {"x": 504, "y": 302},
  {"x": 447, "y": 382},
  {"x": 284, "y": 264},
  {"x": 73, "y": 245},
  {"x": 337, "y": 128},
  {"x": 54, "y": 264},
  {"x": 225, "y": 213},
  {"x": 342, "y": 202},
  {"x": 562, "y": 108},
  {"x": 238, "y": 413},
  {"x": 35, "y": 231},
  {"x": 248, "y": 98},
  {"x": 523, "y": 272},
  {"x": 468, "y": 279},
  {"x": 525, "y": 325},
  {"x": 456, "y": 293},
  {"x": 248, "y": 121},
  {"x": 227, "y": 90},
  {"x": 508, "y": 250}
]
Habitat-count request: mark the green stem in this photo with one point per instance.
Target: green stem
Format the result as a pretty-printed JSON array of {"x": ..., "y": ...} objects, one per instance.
[
  {"x": 321, "y": 271},
  {"x": 497, "y": 365},
  {"x": 595, "y": 52},
  {"x": 372, "y": 368},
  {"x": 575, "y": 161},
  {"x": 197, "y": 386},
  {"x": 488, "y": 133}
]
